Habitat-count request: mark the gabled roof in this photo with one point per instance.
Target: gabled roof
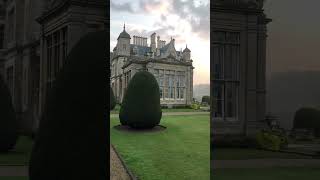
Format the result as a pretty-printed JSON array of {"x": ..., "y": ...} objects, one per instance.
[{"x": 165, "y": 48}]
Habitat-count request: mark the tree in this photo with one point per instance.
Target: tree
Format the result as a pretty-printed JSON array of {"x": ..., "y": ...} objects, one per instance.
[
  {"x": 8, "y": 121},
  {"x": 112, "y": 100},
  {"x": 205, "y": 100},
  {"x": 141, "y": 104},
  {"x": 307, "y": 118},
  {"x": 71, "y": 142}
]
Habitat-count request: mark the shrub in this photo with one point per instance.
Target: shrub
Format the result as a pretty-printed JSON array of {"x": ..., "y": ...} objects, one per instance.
[
  {"x": 307, "y": 118},
  {"x": 112, "y": 100},
  {"x": 71, "y": 142},
  {"x": 8, "y": 121},
  {"x": 195, "y": 106},
  {"x": 271, "y": 140},
  {"x": 141, "y": 104},
  {"x": 205, "y": 100}
]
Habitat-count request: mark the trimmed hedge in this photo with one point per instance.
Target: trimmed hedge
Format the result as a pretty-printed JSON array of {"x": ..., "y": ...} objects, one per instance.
[
  {"x": 205, "y": 99},
  {"x": 71, "y": 142},
  {"x": 141, "y": 104},
  {"x": 8, "y": 121},
  {"x": 307, "y": 118}
]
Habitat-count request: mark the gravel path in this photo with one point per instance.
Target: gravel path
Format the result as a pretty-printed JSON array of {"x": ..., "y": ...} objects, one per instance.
[
  {"x": 13, "y": 171},
  {"x": 266, "y": 163},
  {"x": 117, "y": 170},
  {"x": 173, "y": 114}
]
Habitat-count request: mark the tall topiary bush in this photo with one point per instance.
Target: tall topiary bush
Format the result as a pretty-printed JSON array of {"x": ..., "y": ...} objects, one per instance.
[
  {"x": 8, "y": 122},
  {"x": 71, "y": 142},
  {"x": 307, "y": 118},
  {"x": 112, "y": 100},
  {"x": 205, "y": 100},
  {"x": 141, "y": 104}
]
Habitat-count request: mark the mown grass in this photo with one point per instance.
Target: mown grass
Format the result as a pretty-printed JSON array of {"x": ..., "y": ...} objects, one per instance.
[
  {"x": 182, "y": 151},
  {"x": 20, "y": 154}
]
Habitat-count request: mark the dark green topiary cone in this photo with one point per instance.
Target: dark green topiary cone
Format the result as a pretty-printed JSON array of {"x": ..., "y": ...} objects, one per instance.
[
  {"x": 8, "y": 122},
  {"x": 141, "y": 104},
  {"x": 71, "y": 142}
]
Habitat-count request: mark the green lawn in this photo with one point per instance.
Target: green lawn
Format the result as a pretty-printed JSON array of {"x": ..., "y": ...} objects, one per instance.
[
  {"x": 117, "y": 109},
  {"x": 20, "y": 155},
  {"x": 179, "y": 152},
  {"x": 242, "y": 153},
  {"x": 182, "y": 110},
  {"x": 267, "y": 174}
]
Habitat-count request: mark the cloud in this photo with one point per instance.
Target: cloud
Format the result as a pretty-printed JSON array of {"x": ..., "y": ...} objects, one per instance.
[
  {"x": 163, "y": 31},
  {"x": 196, "y": 12},
  {"x": 124, "y": 7},
  {"x": 149, "y": 6},
  {"x": 198, "y": 15}
]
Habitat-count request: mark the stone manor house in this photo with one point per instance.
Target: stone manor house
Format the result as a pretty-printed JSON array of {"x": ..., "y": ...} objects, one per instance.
[
  {"x": 238, "y": 66},
  {"x": 35, "y": 38},
  {"x": 173, "y": 69}
]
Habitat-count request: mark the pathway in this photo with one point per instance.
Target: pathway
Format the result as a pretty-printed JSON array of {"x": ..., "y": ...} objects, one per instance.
[
  {"x": 265, "y": 163},
  {"x": 173, "y": 114},
  {"x": 13, "y": 171},
  {"x": 117, "y": 170}
]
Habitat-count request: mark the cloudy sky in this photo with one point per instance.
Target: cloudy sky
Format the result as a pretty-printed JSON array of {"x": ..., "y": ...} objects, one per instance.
[
  {"x": 294, "y": 35},
  {"x": 187, "y": 21}
]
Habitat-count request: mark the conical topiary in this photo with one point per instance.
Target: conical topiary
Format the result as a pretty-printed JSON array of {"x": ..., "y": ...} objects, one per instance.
[
  {"x": 112, "y": 100},
  {"x": 141, "y": 104},
  {"x": 8, "y": 122},
  {"x": 71, "y": 142}
]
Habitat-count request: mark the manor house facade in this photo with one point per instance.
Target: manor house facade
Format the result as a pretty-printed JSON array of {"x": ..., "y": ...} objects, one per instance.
[
  {"x": 238, "y": 67},
  {"x": 173, "y": 69},
  {"x": 35, "y": 38}
]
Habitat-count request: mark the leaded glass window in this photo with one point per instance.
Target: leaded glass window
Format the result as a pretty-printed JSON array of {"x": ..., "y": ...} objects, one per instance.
[{"x": 225, "y": 87}]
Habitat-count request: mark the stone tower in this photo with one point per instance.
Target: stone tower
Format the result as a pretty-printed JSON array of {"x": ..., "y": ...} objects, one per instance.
[
  {"x": 186, "y": 54},
  {"x": 123, "y": 44}
]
